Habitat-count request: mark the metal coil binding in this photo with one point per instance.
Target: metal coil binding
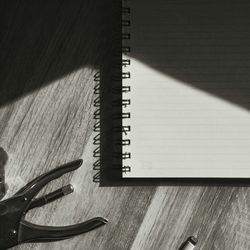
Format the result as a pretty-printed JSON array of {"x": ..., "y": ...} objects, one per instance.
[
  {"x": 125, "y": 88},
  {"x": 119, "y": 104},
  {"x": 97, "y": 128}
]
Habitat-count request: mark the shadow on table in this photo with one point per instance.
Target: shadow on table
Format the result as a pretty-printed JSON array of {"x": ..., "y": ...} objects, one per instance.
[{"x": 42, "y": 41}]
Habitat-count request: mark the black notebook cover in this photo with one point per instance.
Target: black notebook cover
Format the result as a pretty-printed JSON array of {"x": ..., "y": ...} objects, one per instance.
[{"x": 112, "y": 147}]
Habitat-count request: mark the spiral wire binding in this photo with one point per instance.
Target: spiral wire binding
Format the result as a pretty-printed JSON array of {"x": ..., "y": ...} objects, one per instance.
[
  {"x": 125, "y": 88},
  {"x": 118, "y": 102},
  {"x": 97, "y": 129}
]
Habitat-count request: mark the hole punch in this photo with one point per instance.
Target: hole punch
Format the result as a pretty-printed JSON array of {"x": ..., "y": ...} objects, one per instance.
[{"x": 14, "y": 229}]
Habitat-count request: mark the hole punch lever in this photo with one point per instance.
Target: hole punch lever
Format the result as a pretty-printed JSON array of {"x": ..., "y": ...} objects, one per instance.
[
  {"x": 59, "y": 193},
  {"x": 14, "y": 229}
]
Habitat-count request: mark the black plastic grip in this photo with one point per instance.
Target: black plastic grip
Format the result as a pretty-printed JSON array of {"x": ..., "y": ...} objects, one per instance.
[{"x": 29, "y": 232}]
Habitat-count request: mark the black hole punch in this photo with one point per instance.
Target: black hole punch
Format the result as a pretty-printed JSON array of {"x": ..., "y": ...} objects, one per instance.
[{"x": 13, "y": 215}]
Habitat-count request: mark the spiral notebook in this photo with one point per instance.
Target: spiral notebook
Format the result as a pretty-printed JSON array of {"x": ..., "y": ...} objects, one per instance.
[{"x": 185, "y": 89}]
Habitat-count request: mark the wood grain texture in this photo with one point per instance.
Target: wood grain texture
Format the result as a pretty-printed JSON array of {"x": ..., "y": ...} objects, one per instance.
[{"x": 46, "y": 119}]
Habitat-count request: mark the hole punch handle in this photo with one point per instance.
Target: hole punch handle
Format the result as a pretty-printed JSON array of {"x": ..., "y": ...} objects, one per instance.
[
  {"x": 33, "y": 187},
  {"x": 35, "y": 233}
]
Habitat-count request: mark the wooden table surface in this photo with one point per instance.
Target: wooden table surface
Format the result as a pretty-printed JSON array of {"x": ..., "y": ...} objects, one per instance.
[{"x": 49, "y": 54}]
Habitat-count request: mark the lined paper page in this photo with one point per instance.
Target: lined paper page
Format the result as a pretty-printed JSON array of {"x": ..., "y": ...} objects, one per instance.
[{"x": 190, "y": 91}]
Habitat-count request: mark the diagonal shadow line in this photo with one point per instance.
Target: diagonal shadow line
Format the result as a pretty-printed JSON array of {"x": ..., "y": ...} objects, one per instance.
[
  {"x": 44, "y": 40},
  {"x": 204, "y": 44}
]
